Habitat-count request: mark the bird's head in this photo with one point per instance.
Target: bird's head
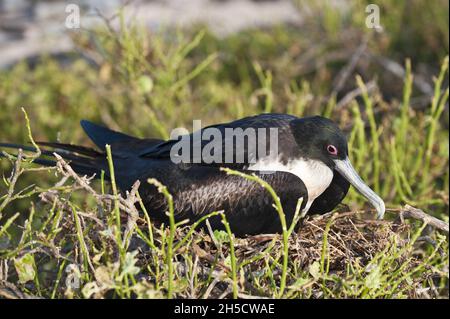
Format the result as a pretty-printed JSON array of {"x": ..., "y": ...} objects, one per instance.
[{"x": 321, "y": 139}]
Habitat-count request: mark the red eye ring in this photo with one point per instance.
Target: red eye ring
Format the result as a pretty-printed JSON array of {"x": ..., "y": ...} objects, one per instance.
[{"x": 332, "y": 149}]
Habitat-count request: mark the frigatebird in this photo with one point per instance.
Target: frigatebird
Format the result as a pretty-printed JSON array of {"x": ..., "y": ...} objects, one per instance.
[{"x": 311, "y": 163}]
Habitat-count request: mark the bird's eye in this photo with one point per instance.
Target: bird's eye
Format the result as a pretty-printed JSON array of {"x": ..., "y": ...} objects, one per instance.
[{"x": 332, "y": 149}]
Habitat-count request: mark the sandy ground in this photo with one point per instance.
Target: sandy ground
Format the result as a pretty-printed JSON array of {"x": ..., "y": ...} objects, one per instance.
[{"x": 30, "y": 28}]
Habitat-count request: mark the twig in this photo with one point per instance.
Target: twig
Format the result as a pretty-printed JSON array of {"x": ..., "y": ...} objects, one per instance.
[
  {"x": 398, "y": 70},
  {"x": 211, "y": 286},
  {"x": 370, "y": 86},
  {"x": 16, "y": 172},
  {"x": 345, "y": 72},
  {"x": 10, "y": 291},
  {"x": 83, "y": 182},
  {"x": 415, "y": 213},
  {"x": 246, "y": 296}
]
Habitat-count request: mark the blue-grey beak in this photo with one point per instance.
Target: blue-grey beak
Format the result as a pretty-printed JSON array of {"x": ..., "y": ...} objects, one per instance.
[{"x": 345, "y": 168}]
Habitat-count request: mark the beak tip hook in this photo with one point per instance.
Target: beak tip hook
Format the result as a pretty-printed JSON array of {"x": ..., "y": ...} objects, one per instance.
[{"x": 381, "y": 210}]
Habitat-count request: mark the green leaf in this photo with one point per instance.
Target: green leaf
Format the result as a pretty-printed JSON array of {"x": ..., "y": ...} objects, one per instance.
[
  {"x": 373, "y": 279},
  {"x": 129, "y": 264},
  {"x": 25, "y": 268},
  {"x": 221, "y": 236},
  {"x": 314, "y": 270},
  {"x": 227, "y": 261},
  {"x": 299, "y": 283},
  {"x": 145, "y": 84},
  {"x": 90, "y": 289}
]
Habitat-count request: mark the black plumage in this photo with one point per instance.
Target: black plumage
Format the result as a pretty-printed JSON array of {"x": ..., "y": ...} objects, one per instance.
[{"x": 199, "y": 188}]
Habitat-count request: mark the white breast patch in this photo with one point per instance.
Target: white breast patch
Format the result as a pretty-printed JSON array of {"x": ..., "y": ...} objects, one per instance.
[{"x": 315, "y": 174}]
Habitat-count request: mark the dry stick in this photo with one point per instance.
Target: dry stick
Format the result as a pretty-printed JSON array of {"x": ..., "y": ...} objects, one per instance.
[
  {"x": 415, "y": 213},
  {"x": 9, "y": 291},
  {"x": 246, "y": 296},
  {"x": 406, "y": 212},
  {"x": 17, "y": 171},
  {"x": 67, "y": 170},
  {"x": 398, "y": 70},
  {"x": 132, "y": 214},
  {"x": 345, "y": 72},
  {"x": 208, "y": 291},
  {"x": 350, "y": 96},
  {"x": 7, "y": 294}
]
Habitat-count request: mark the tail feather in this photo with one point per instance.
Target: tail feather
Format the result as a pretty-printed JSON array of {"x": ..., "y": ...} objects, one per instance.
[
  {"x": 18, "y": 146},
  {"x": 101, "y": 135},
  {"x": 83, "y": 160},
  {"x": 44, "y": 152},
  {"x": 72, "y": 148}
]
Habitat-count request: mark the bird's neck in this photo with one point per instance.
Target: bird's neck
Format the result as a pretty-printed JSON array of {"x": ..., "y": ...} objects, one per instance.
[{"x": 314, "y": 174}]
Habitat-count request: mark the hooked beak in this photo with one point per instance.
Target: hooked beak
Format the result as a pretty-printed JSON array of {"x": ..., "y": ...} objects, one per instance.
[{"x": 345, "y": 168}]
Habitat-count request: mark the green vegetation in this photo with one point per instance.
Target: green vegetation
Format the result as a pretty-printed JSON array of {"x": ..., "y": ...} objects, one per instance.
[{"x": 58, "y": 228}]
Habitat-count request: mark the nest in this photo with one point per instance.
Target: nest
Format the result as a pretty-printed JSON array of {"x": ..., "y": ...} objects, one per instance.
[
  {"x": 338, "y": 240},
  {"x": 349, "y": 236}
]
